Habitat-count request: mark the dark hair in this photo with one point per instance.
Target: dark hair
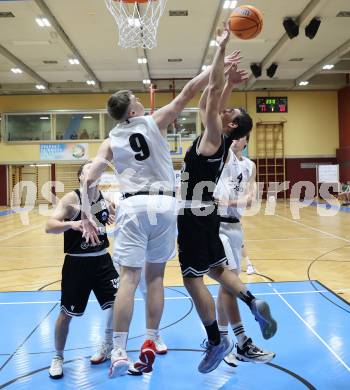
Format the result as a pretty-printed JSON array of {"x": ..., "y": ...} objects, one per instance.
[
  {"x": 118, "y": 104},
  {"x": 244, "y": 125},
  {"x": 80, "y": 170}
]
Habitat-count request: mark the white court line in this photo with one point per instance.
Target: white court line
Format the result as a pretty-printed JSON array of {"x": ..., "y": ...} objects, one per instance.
[
  {"x": 312, "y": 330},
  {"x": 180, "y": 298},
  {"x": 313, "y": 228}
]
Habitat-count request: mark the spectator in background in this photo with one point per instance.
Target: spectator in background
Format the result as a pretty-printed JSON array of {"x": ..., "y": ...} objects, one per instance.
[
  {"x": 344, "y": 195},
  {"x": 84, "y": 134}
]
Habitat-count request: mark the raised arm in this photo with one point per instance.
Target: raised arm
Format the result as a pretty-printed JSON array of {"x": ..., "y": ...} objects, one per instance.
[
  {"x": 99, "y": 164},
  {"x": 230, "y": 61},
  {"x": 167, "y": 114},
  {"x": 203, "y": 106},
  {"x": 212, "y": 135},
  {"x": 234, "y": 77}
]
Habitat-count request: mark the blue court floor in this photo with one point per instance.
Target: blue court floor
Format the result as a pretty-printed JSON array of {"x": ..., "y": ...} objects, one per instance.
[{"x": 312, "y": 343}]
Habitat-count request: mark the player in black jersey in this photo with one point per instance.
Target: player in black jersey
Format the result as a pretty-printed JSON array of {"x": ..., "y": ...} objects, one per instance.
[
  {"x": 200, "y": 249},
  {"x": 85, "y": 268}
]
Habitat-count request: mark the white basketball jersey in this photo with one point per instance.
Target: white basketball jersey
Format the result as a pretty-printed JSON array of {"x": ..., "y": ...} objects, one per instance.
[
  {"x": 233, "y": 182},
  {"x": 141, "y": 156}
]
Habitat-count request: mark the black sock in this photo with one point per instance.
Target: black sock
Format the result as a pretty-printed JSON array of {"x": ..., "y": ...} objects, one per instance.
[
  {"x": 213, "y": 333},
  {"x": 247, "y": 298}
]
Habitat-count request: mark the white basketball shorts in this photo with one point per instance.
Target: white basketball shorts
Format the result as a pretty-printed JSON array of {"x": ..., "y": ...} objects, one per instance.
[
  {"x": 231, "y": 235},
  {"x": 145, "y": 230}
]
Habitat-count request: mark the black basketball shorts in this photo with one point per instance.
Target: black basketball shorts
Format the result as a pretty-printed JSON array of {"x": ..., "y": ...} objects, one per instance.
[
  {"x": 200, "y": 247},
  {"x": 80, "y": 276}
]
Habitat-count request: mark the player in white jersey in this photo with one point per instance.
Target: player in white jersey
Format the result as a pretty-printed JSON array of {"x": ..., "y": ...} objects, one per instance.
[
  {"x": 236, "y": 190},
  {"x": 245, "y": 257},
  {"x": 146, "y": 221}
]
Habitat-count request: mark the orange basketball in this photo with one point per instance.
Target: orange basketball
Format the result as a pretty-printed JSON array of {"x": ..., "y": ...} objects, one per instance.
[{"x": 246, "y": 22}]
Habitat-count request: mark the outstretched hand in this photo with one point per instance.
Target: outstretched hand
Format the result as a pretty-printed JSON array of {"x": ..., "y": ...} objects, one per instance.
[
  {"x": 90, "y": 232},
  {"x": 232, "y": 58},
  {"x": 235, "y": 76},
  {"x": 223, "y": 36}
]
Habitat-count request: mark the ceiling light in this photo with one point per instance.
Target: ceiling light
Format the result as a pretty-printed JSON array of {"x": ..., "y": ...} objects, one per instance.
[
  {"x": 74, "y": 61},
  {"x": 213, "y": 43},
  {"x": 205, "y": 67},
  {"x": 142, "y": 60},
  {"x": 40, "y": 86},
  {"x": 16, "y": 70},
  {"x": 233, "y": 4},
  {"x": 303, "y": 83},
  {"x": 146, "y": 81},
  {"x": 87, "y": 117},
  {"x": 43, "y": 22},
  {"x": 328, "y": 67},
  {"x": 44, "y": 117},
  {"x": 90, "y": 82},
  {"x": 40, "y": 165},
  {"x": 229, "y": 4}
]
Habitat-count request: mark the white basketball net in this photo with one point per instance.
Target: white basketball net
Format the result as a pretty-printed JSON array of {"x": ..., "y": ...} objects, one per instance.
[{"x": 137, "y": 22}]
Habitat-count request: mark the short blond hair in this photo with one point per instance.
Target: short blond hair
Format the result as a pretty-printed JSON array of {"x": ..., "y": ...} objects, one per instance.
[{"x": 118, "y": 104}]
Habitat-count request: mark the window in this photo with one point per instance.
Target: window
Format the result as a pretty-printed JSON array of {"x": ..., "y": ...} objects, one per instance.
[
  {"x": 109, "y": 124},
  {"x": 28, "y": 127},
  {"x": 80, "y": 126},
  {"x": 186, "y": 124},
  {"x": 77, "y": 126}
]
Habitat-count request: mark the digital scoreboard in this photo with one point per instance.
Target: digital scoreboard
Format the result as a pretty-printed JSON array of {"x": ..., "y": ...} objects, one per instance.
[{"x": 272, "y": 104}]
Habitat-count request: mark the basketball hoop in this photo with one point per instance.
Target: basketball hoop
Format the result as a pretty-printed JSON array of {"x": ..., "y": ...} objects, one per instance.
[{"x": 137, "y": 21}]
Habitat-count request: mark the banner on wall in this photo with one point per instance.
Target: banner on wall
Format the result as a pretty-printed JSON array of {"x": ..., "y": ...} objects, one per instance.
[
  {"x": 70, "y": 152},
  {"x": 328, "y": 173}
]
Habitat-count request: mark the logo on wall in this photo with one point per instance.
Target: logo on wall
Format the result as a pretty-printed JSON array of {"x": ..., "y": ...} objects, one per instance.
[{"x": 67, "y": 152}]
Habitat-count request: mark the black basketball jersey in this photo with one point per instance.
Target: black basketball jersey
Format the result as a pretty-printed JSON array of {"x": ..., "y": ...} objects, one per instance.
[
  {"x": 205, "y": 170},
  {"x": 74, "y": 243}
]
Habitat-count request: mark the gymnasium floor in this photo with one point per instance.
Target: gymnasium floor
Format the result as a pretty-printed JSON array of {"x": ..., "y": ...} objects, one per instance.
[{"x": 299, "y": 262}]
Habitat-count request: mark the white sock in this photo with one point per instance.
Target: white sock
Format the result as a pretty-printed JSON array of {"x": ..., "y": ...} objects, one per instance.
[
  {"x": 239, "y": 332},
  {"x": 109, "y": 326},
  {"x": 59, "y": 353},
  {"x": 109, "y": 336},
  {"x": 223, "y": 330},
  {"x": 119, "y": 340},
  {"x": 152, "y": 334},
  {"x": 247, "y": 260}
]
